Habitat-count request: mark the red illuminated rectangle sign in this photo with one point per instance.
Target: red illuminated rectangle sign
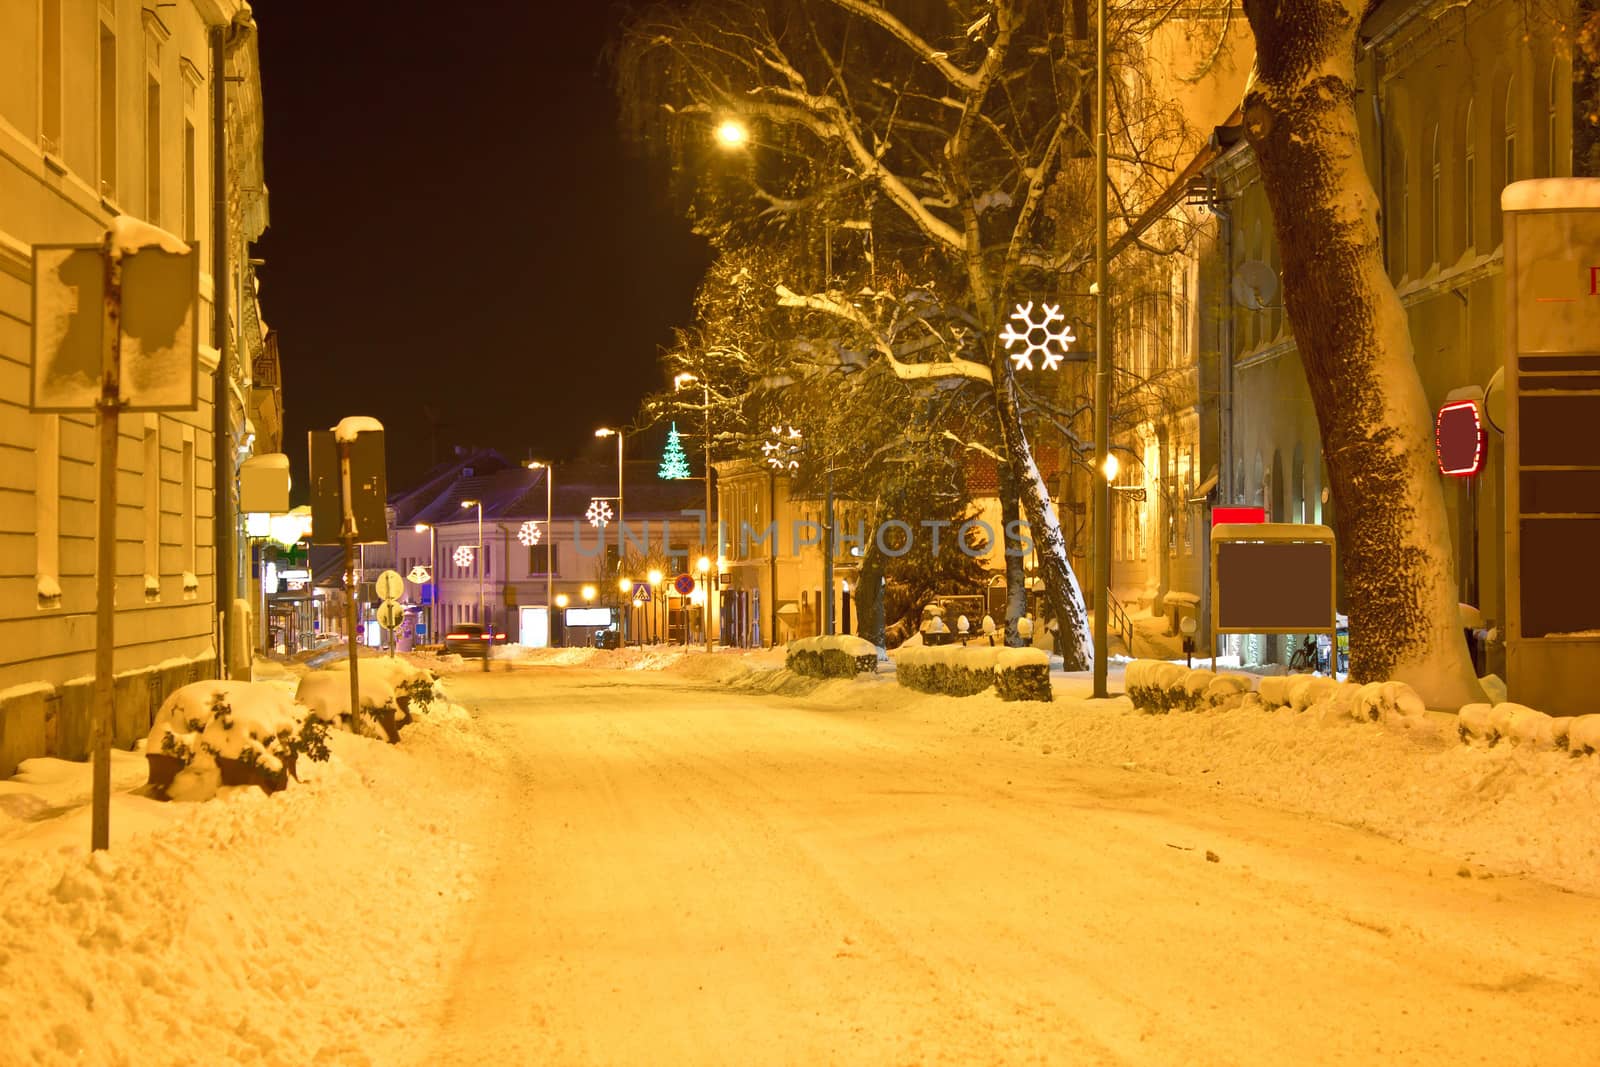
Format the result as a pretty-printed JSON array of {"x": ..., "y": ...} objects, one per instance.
[
  {"x": 1238, "y": 514},
  {"x": 1459, "y": 439}
]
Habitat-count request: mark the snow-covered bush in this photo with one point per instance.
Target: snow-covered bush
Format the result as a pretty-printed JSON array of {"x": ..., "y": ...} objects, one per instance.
[
  {"x": 415, "y": 688},
  {"x": 214, "y": 733},
  {"x": 1306, "y": 689},
  {"x": 1522, "y": 725},
  {"x": 1226, "y": 691},
  {"x": 1158, "y": 686},
  {"x": 326, "y": 695},
  {"x": 1274, "y": 690},
  {"x": 836, "y": 656},
  {"x": 952, "y": 670},
  {"x": 1583, "y": 735},
  {"x": 1383, "y": 701}
]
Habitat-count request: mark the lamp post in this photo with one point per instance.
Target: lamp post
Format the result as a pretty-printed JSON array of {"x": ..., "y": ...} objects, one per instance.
[
  {"x": 607, "y": 431},
  {"x": 1102, "y": 364},
  {"x": 488, "y": 631},
  {"x": 549, "y": 550},
  {"x": 434, "y": 573},
  {"x": 654, "y": 578},
  {"x": 678, "y": 382},
  {"x": 704, "y": 567}
]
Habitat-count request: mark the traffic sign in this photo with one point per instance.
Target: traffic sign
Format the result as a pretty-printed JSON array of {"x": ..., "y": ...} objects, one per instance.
[
  {"x": 641, "y": 591},
  {"x": 684, "y": 584},
  {"x": 390, "y": 614},
  {"x": 390, "y": 586}
]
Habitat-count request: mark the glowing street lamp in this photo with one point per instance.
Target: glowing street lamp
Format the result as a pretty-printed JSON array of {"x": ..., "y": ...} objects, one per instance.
[
  {"x": 732, "y": 134},
  {"x": 589, "y": 592},
  {"x": 549, "y": 553},
  {"x": 1110, "y": 467},
  {"x": 704, "y": 567},
  {"x": 488, "y": 631},
  {"x": 433, "y": 569}
]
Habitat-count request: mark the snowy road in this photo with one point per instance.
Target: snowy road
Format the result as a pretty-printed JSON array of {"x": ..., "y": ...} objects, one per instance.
[{"x": 691, "y": 875}]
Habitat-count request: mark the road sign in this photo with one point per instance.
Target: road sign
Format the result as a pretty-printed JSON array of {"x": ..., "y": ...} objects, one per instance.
[
  {"x": 390, "y": 614},
  {"x": 641, "y": 591},
  {"x": 390, "y": 586},
  {"x": 368, "y": 489},
  {"x": 684, "y": 584}
]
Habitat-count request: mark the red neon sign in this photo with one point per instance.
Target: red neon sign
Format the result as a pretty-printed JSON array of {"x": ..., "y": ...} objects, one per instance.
[
  {"x": 1459, "y": 439},
  {"x": 1238, "y": 514}
]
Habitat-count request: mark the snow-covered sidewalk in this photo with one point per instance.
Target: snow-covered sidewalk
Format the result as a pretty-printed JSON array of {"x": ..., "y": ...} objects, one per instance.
[{"x": 289, "y": 929}]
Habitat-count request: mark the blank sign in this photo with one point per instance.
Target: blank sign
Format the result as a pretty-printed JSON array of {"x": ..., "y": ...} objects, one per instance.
[{"x": 1266, "y": 586}]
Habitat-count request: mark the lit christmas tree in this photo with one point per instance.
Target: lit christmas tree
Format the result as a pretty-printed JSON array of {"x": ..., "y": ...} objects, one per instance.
[{"x": 674, "y": 464}]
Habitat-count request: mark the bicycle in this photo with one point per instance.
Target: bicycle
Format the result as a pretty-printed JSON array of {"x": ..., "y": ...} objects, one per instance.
[{"x": 1306, "y": 657}]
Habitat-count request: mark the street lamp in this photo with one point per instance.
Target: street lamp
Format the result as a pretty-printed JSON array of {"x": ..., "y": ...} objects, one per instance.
[
  {"x": 704, "y": 566},
  {"x": 731, "y": 134},
  {"x": 678, "y": 382},
  {"x": 488, "y": 631},
  {"x": 434, "y": 571},
  {"x": 589, "y": 592},
  {"x": 654, "y": 578},
  {"x": 549, "y": 550},
  {"x": 1102, "y": 361},
  {"x": 622, "y": 528}
]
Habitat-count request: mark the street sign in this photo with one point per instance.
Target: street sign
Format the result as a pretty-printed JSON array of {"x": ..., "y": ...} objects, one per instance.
[
  {"x": 390, "y": 586},
  {"x": 684, "y": 584},
  {"x": 390, "y": 614},
  {"x": 1269, "y": 578},
  {"x": 368, "y": 489},
  {"x": 641, "y": 591},
  {"x": 419, "y": 575}
]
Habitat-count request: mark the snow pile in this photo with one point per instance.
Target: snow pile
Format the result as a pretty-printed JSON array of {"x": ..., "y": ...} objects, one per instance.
[
  {"x": 849, "y": 644},
  {"x": 834, "y": 656},
  {"x": 297, "y": 928},
  {"x": 326, "y": 694}
]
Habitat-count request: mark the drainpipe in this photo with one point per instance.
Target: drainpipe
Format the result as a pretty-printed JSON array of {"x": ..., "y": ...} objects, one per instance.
[{"x": 224, "y": 578}]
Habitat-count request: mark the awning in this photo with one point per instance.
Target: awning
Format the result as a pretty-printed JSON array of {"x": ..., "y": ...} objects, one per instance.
[{"x": 1203, "y": 490}]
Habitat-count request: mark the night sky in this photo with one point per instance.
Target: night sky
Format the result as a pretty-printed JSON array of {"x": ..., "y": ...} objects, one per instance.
[{"x": 458, "y": 231}]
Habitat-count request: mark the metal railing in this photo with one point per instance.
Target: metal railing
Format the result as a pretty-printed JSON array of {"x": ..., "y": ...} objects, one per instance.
[{"x": 1123, "y": 624}]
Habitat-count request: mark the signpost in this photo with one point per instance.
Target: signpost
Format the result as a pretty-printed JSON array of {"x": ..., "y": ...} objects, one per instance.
[
  {"x": 1272, "y": 578},
  {"x": 114, "y": 330}
]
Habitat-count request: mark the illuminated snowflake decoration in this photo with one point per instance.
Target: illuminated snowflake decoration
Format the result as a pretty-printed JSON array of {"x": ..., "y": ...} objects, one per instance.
[
  {"x": 599, "y": 512},
  {"x": 1052, "y": 345},
  {"x": 463, "y": 556},
  {"x": 780, "y": 451},
  {"x": 529, "y": 533}
]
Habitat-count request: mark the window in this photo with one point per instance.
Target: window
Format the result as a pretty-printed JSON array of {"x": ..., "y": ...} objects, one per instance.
[
  {"x": 1552, "y": 156},
  {"x": 50, "y": 76},
  {"x": 190, "y": 562},
  {"x": 152, "y": 151},
  {"x": 47, "y": 510},
  {"x": 152, "y": 501},
  {"x": 1433, "y": 201},
  {"x": 1511, "y": 133},
  {"x": 108, "y": 112},
  {"x": 543, "y": 559},
  {"x": 1469, "y": 184},
  {"x": 188, "y": 181}
]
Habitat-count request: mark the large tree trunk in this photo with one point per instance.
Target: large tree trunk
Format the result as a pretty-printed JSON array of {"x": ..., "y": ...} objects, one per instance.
[
  {"x": 869, "y": 594},
  {"x": 1050, "y": 545},
  {"x": 1394, "y": 543}
]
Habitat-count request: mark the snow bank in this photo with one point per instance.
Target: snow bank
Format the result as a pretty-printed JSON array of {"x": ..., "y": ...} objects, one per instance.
[{"x": 295, "y": 928}]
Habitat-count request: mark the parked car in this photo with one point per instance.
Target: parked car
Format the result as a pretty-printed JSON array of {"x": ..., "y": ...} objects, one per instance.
[
  {"x": 609, "y": 637},
  {"x": 470, "y": 639}
]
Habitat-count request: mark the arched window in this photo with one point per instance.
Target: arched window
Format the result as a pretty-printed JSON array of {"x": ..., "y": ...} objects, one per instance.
[
  {"x": 1552, "y": 162},
  {"x": 1433, "y": 201},
  {"x": 1469, "y": 184},
  {"x": 1398, "y": 222}
]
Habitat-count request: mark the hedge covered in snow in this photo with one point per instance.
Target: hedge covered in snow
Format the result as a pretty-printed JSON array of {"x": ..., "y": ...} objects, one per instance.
[
  {"x": 1158, "y": 686},
  {"x": 954, "y": 670},
  {"x": 835, "y": 656},
  {"x": 215, "y": 733}
]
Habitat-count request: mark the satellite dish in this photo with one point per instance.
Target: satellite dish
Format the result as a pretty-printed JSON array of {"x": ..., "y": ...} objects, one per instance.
[
  {"x": 1254, "y": 284},
  {"x": 1494, "y": 400}
]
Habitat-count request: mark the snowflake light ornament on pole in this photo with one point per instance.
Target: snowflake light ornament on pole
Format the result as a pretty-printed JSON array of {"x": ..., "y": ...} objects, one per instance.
[
  {"x": 599, "y": 512},
  {"x": 463, "y": 556},
  {"x": 781, "y": 449},
  {"x": 529, "y": 533},
  {"x": 1052, "y": 345}
]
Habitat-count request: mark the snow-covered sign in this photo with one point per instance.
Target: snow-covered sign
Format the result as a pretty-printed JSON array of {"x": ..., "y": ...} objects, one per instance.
[
  {"x": 1042, "y": 337},
  {"x": 1272, "y": 578},
  {"x": 390, "y": 586},
  {"x": 157, "y": 342},
  {"x": 529, "y": 533},
  {"x": 599, "y": 512}
]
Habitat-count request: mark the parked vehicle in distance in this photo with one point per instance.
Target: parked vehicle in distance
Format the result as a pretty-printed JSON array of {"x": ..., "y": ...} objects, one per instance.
[
  {"x": 470, "y": 639},
  {"x": 609, "y": 637}
]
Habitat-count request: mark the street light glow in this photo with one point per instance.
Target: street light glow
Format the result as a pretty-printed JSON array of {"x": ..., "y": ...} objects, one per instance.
[
  {"x": 423, "y": 527},
  {"x": 1110, "y": 469},
  {"x": 468, "y": 504},
  {"x": 680, "y": 380},
  {"x": 589, "y": 592},
  {"x": 704, "y": 565},
  {"x": 604, "y": 431},
  {"x": 624, "y": 585},
  {"x": 654, "y": 576},
  {"x": 731, "y": 133},
  {"x": 561, "y": 600}
]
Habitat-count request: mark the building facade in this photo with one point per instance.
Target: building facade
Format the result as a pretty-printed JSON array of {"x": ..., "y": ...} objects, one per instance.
[{"x": 106, "y": 109}]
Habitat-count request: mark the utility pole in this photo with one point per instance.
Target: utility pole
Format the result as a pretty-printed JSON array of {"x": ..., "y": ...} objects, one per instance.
[{"x": 1102, "y": 367}]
